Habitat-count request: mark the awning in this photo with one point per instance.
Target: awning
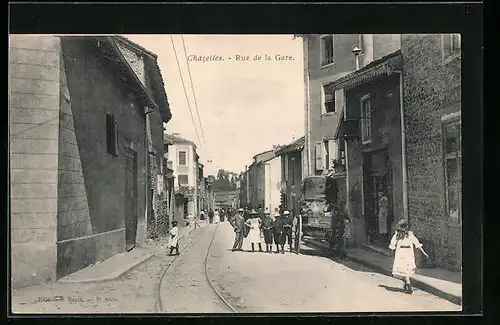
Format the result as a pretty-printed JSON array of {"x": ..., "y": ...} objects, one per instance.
[
  {"x": 381, "y": 67},
  {"x": 294, "y": 146}
]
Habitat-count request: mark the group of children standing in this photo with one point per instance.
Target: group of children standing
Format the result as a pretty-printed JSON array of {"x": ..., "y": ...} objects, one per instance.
[{"x": 260, "y": 227}]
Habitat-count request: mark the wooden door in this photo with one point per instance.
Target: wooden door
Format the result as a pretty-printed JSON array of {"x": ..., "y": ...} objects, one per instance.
[
  {"x": 130, "y": 199},
  {"x": 368, "y": 197}
]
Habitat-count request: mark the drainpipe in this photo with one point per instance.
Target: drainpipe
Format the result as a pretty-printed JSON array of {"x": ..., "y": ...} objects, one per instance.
[
  {"x": 403, "y": 147},
  {"x": 307, "y": 119},
  {"x": 148, "y": 185}
]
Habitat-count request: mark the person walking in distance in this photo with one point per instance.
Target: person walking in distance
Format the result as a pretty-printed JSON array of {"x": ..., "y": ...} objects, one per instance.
[
  {"x": 287, "y": 229},
  {"x": 238, "y": 223},
  {"x": 254, "y": 224},
  {"x": 211, "y": 216},
  {"x": 174, "y": 238},
  {"x": 267, "y": 230},
  {"x": 278, "y": 234},
  {"x": 403, "y": 242}
]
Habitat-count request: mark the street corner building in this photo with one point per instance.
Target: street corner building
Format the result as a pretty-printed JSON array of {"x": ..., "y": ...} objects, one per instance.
[
  {"x": 86, "y": 120},
  {"x": 187, "y": 172}
]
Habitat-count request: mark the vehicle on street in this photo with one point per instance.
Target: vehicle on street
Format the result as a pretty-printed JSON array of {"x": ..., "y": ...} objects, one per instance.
[{"x": 319, "y": 208}]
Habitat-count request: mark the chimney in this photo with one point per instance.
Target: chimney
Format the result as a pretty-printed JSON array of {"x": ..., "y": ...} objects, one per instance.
[{"x": 356, "y": 52}]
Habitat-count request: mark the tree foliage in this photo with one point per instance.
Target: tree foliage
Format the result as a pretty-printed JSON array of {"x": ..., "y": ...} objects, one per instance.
[{"x": 225, "y": 180}]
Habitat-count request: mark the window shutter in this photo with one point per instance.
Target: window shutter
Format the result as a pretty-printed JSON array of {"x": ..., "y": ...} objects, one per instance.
[
  {"x": 333, "y": 149},
  {"x": 339, "y": 100},
  {"x": 319, "y": 156}
]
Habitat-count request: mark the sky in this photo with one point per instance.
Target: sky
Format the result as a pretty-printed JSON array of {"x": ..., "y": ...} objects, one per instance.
[{"x": 245, "y": 106}]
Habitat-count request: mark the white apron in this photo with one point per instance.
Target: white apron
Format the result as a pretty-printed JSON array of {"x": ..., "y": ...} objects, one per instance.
[
  {"x": 254, "y": 233},
  {"x": 174, "y": 237}
]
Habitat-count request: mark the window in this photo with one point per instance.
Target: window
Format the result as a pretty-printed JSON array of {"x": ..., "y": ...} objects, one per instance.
[
  {"x": 366, "y": 119},
  {"x": 452, "y": 154},
  {"x": 183, "y": 179},
  {"x": 182, "y": 158},
  {"x": 326, "y": 49},
  {"x": 341, "y": 145},
  {"x": 111, "y": 135},
  {"x": 451, "y": 45},
  {"x": 328, "y": 101}
]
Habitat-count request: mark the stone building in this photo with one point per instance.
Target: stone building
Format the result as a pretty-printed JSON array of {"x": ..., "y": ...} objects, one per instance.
[
  {"x": 402, "y": 130},
  {"x": 432, "y": 104},
  {"x": 81, "y": 117}
]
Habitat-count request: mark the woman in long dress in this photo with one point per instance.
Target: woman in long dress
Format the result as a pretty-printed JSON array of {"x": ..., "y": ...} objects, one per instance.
[
  {"x": 403, "y": 242},
  {"x": 254, "y": 224},
  {"x": 383, "y": 211}
]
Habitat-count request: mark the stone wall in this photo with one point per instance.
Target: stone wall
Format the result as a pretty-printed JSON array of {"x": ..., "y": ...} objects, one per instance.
[
  {"x": 34, "y": 96},
  {"x": 432, "y": 89}
]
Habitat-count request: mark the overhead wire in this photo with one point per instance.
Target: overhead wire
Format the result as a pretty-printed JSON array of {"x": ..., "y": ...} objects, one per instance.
[
  {"x": 185, "y": 91},
  {"x": 194, "y": 95}
]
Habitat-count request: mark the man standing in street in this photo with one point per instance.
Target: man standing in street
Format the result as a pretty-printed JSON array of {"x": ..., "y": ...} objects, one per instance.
[
  {"x": 278, "y": 232},
  {"x": 267, "y": 230},
  {"x": 287, "y": 228},
  {"x": 211, "y": 215},
  {"x": 238, "y": 224},
  {"x": 297, "y": 225}
]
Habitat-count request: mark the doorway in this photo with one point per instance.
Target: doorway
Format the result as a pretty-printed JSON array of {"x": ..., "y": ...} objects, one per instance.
[
  {"x": 130, "y": 199},
  {"x": 377, "y": 179}
]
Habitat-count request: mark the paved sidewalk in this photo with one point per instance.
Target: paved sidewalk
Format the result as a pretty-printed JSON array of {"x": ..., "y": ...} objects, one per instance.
[
  {"x": 440, "y": 282},
  {"x": 132, "y": 292},
  {"x": 115, "y": 266},
  {"x": 109, "y": 269}
]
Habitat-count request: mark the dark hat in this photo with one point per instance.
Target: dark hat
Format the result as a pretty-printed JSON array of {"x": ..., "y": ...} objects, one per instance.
[{"x": 403, "y": 223}]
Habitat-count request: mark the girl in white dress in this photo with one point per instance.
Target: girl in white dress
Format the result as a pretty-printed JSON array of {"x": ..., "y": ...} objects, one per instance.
[
  {"x": 403, "y": 242},
  {"x": 174, "y": 238},
  {"x": 254, "y": 223}
]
